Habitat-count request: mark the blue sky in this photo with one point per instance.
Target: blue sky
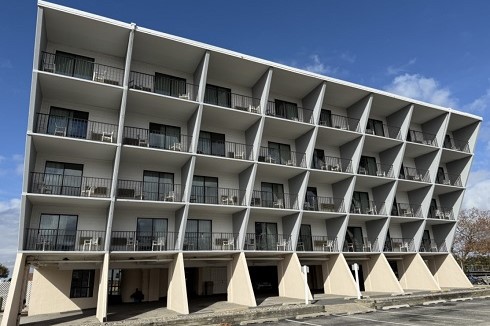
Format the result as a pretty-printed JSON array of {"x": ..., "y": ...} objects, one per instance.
[{"x": 437, "y": 51}]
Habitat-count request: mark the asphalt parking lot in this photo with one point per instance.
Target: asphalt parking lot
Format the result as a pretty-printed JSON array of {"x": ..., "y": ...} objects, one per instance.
[{"x": 474, "y": 312}]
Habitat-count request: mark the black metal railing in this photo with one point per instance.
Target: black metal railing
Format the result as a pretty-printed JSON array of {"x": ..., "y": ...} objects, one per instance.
[
  {"x": 139, "y": 190},
  {"x": 330, "y": 163},
  {"x": 275, "y": 156},
  {"x": 449, "y": 179},
  {"x": 225, "y": 149},
  {"x": 75, "y": 128},
  {"x": 380, "y": 170},
  {"x": 294, "y": 113},
  {"x": 274, "y": 200},
  {"x": 414, "y": 174},
  {"x": 80, "y": 68},
  {"x": 217, "y": 196},
  {"x": 420, "y": 137},
  {"x": 317, "y": 243},
  {"x": 432, "y": 246},
  {"x": 399, "y": 245},
  {"x": 69, "y": 185},
  {"x": 64, "y": 240},
  {"x": 155, "y": 139},
  {"x": 443, "y": 213},
  {"x": 324, "y": 204},
  {"x": 406, "y": 210},
  {"x": 268, "y": 242},
  {"x": 235, "y": 101},
  {"x": 163, "y": 85},
  {"x": 386, "y": 131},
  {"x": 456, "y": 144},
  {"x": 196, "y": 241},
  {"x": 361, "y": 245},
  {"x": 340, "y": 122},
  {"x": 143, "y": 241},
  {"x": 369, "y": 208}
]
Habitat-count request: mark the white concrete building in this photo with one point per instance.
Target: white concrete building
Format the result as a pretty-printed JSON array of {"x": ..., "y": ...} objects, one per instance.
[{"x": 183, "y": 169}]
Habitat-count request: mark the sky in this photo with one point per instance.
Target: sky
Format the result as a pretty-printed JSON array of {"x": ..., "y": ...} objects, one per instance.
[{"x": 437, "y": 51}]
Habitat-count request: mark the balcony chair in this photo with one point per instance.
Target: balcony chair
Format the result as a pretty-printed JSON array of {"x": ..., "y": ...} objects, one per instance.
[
  {"x": 143, "y": 142},
  {"x": 240, "y": 155},
  {"x": 250, "y": 244},
  {"x": 45, "y": 189},
  {"x": 131, "y": 244},
  {"x": 404, "y": 246},
  {"x": 362, "y": 170},
  {"x": 300, "y": 246},
  {"x": 289, "y": 163},
  {"x": 350, "y": 247},
  {"x": 87, "y": 191},
  {"x": 254, "y": 109},
  {"x": 60, "y": 131},
  {"x": 107, "y": 136},
  {"x": 372, "y": 210},
  {"x": 446, "y": 182},
  {"x": 269, "y": 159},
  {"x": 158, "y": 243},
  {"x": 356, "y": 210},
  {"x": 43, "y": 244},
  {"x": 433, "y": 247},
  {"x": 279, "y": 203},
  {"x": 170, "y": 196},
  {"x": 380, "y": 173},
  {"x": 228, "y": 244},
  {"x": 408, "y": 212},
  {"x": 282, "y": 245},
  {"x": 328, "y": 245},
  {"x": 439, "y": 213},
  {"x": 99, "y": 76},
  {"x": 185, "y": 96},
  {"x": 334, "y": 167},
  {"x": 49, "y": 67},
  {"x": 176, "y": 147},
  {"x": 367, "y": 247}
]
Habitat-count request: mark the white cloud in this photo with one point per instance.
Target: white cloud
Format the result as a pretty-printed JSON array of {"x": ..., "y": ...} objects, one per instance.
[
  {"x": 421, "y": 88},
  {"x": 317, "y": 66},
  {"x": 477, "y": 190},
  {"x": 349, "y": 57},
  {"x": 9, "y": 224},
  {"x": 479, "y": 105},
  {"x": 395, "y": 70}
]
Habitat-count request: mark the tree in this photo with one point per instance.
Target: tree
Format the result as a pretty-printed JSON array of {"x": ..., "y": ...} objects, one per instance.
[
  {"x": 4, "y": 271},
  {"x": 472, "y": 235}
]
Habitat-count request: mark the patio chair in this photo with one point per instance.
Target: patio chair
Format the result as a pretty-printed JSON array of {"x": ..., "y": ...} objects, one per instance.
[
  {"x": 366, "y": 247},
  {"x": 229, "y": 244},
  {"x": 60, "y": 131},
  {"x": 327, "y": 245},
  {"x": 107, "y": 136},
  {"x": 158, "y": 243},
  {"x": 281, "y": 245},
  {"x": 279, "y": 203}
]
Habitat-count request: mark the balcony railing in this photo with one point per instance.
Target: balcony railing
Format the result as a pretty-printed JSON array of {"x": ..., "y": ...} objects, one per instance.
[
  {"x": 80, "y": 68},
  {"x": 139, "y": 190},
  {"x": 420, "y": 137},
  {"x": 324, "y": 204},
  {"x": 217, "y": 196},
  {"x": 225, "y": 148},
  {"x": 275, "y": 156},
  {"x": 317, "y": 243},
  {"x": 268, "y": 242},
  {"x": 75, "y": 128},
  {"x": 456, "y": 144},
  {"x": 380, "y": 170},
  {"x": 443, "y": 213},
  {"x": 387, "y": 131},
  {"x": 163, "y": 85},
  {"x": 372, "y": 208},
  {"x": 407, "y": 210},
  {"x": 143, "y": 241},
  {"x": 432, "y": 246},
  {"x": 234, "y": 101},
  {"x": 399, "y": 245},
  {"x": 335, "y": 164},
  {"x": 69, "y": 185},
  {"x": 154, "y": 139},
  {"x": 449, "y": 179},
  {"x": 197, "y": 241},
  {"x": 361, "y": 245},
  {"x": 341, "y": 122},
  {"x": 64, "y": 240},
  {"x": 274, "y": 200},
  {"x": 414, "y": 174},
  {"x": 290, "y": 113}
]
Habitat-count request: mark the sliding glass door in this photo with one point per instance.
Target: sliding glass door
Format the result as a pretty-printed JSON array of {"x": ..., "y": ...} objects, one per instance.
[
  {"x": 149, "y": 230},
  {"x": 163, "y": 136},
  {"x": 157, "y": 185},
  {"x": 198, "y": 235},
  {"x": 280, "y": 153},
  {"x": 211, "y": 143},
  {"x": 360, "y": 202},
  {"x": 272, "y": 195},
  {"x": 204, "y": 190},
  {"x": 69, "y": 123},
  {"x": 74, "y": 65},
  {"x": 266, "y": 236},
  {"x": 63, "y": 178},
  {"x": 58, "y": 232},
  {"x": 169, "y": 85}
]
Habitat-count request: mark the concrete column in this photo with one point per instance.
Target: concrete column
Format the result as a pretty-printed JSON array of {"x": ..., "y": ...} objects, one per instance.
[
  {"x": 291, "y": 283},
  {"x": 380, "y": 277},
  {"x": 101, "y": 312},
  {"x": 177, "y": 290},
  {"x": 415, "y": 275},
  {"x": 448, "y": 274},
  {"x": 240, "y": 289},
  {"x": 11, "y": 315},
  {"x": 337, "y": 277}
]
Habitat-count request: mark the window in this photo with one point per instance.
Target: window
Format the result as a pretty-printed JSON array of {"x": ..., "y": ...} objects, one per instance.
[
  {"x": 157, "y": 185},
  {"x": 63, "y": 178},
  {"x": 198, "y": 235},
  {"x": 367, "y": 165},
  {"x": 169, "y": 85},
  {"x": 82, "y": 283},
  {"x": 211, "y": 143},
  {"x": 311, "y": 200},
  {"x": 286, "y": 110},
  {"x": 326, "y": 118},
  {"x": 163, "y": 136},
  {"x": 360, "y": 202},
  {"x": 58, "y": 232},
  {"x": 74, "y": 65},
  {"x": 318, "y": 159},
  {"x": 305, "y": 237},
  {"x": 280, "y": 153},
  {"x": 354, "y": 238},
  {"x": 204, "y": 190},
  {"x": 266, "y": 236},
  {"x": 272, "y": 195},
  {"x": 375, "y": 127},
  {"x": 218, "y": 96},
  {"x": 69, "y": 123},
  {"x": 149, "y": 230}
]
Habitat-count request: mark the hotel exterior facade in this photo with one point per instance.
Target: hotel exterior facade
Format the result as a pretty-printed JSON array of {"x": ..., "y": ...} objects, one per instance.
[{"x": 182, "y": 169}]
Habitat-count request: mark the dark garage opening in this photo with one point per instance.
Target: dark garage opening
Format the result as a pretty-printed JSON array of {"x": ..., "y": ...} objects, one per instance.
[{"x": 264, "y": 280}]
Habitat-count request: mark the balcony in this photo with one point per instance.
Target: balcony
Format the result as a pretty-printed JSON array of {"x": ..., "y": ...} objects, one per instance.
[
  {"x": 217, "y": 196},
  {"x": 64, "y": 240},
  {"x": 406, "y": 210},
  {"x": 75, "y": 128},
  {"x": 289, "y": 158},
  {"x": 82, "y": 69},
  {"x": 291, "y": 112},
  {"x": 317, "y": 243},
  {"x": 456, "y": 144},
  {"x": 162, "y": 85},
  {"x": 385, "y": 131},
  {"x": 414, "y": 174},
  {"x": 432, "y": 246},
  {"x": 69, "y": 185},
  {"x": 225, "y": 148},
  {"x": 419, "y": 137},
  {"x": 399, "y": 245},
  {"x": 340, "y": 122},
  {"x": 143, "y": 241},
  {"x": 361, "y": 245},
  {"x": 443, "y": 213},
  {"x": 274, "y": 200},
  {"x": 449, "y": 179},
  {"x": 380, "y": 170},
  {"x": 154, "y": 139},
  {"x": 369, "y": 208},
  {"x": 233, "y": 101},
  {"x": 210, "y": 241},
  {"x": 324, "y": 204},
  {"x": 268, "y": 242},
  {"x": 139, "y": 190},
  {"x": 334, "y": 164}
]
